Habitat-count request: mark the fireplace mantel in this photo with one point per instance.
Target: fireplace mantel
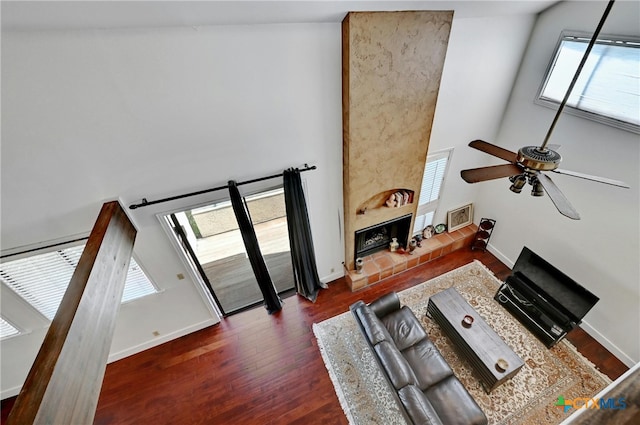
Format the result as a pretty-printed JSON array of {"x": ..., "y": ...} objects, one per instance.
[{"x": 391, "y": 69}]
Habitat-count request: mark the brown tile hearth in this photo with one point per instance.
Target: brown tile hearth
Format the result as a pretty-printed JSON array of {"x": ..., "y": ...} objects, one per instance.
[{"x": 384, "y": 264}]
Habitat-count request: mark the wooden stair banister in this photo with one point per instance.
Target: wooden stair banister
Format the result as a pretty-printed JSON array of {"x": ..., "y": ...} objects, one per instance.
[{"x": 64, "y": 382}]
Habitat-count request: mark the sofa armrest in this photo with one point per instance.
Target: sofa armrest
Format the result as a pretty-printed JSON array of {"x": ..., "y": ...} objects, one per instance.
[
  {"x": 386, "y": 304},
  {"x": 359, "y": 311},
  {"x": 370, "y": 324}
]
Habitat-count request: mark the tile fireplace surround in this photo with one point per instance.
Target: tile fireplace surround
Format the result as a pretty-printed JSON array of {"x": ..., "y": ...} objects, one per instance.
[{"x": 384, "y": 264}]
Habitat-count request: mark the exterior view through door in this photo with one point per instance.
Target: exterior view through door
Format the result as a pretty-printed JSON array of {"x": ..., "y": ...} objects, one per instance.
[{"x": 212, "y": 234}]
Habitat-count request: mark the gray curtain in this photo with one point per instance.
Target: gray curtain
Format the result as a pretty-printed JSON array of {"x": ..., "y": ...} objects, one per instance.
[{"x": 303, "y": 257}]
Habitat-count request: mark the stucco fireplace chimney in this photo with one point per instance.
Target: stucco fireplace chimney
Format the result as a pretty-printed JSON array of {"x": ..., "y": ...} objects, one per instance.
[{"x": 391, "y": 68}]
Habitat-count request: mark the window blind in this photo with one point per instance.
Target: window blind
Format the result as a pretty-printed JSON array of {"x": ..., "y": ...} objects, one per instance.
[
  {"x": 608, "y": 89},
  {"x": 7, "y": 329},
  {"x": 41, "y": 280},
  {"x": 137, "y": 285},
  {"x": 432, "y": 180},
  {"x": 423, "y": 221}
]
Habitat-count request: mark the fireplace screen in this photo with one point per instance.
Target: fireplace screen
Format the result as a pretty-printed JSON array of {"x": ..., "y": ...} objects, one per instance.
[{"x": 376, "y": 238}]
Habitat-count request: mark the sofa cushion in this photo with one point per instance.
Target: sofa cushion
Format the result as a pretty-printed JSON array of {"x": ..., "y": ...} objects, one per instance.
[
  {"x": 418, "y": 406},
  {"x": 404, "y": 328},
  {"x": 386, "y": 304},
  {"x": 372, "y": 326},
  {"x": 397, "y": 368},
  {"x": 454, "y": 404},
  {"x": 427, "y": 363}
]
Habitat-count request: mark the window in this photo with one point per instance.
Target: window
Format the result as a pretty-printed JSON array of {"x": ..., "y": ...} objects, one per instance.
[
  {"x": 432, "y": 182},
  {"x": 7, "y": 329},
  {"x": 42, "y": 279},
  {"x": 608, "y": 88}
]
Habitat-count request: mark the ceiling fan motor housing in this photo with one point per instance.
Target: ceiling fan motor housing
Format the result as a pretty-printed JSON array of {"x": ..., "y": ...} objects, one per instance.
[{"x": 535, "y": 158}]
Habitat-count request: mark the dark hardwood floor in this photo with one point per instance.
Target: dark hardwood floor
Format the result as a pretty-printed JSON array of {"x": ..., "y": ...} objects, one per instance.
[{"x": 253, "y": 368}]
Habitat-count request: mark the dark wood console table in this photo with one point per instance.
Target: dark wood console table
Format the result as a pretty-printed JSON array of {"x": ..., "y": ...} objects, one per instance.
[{"x": 478, "y": 342}]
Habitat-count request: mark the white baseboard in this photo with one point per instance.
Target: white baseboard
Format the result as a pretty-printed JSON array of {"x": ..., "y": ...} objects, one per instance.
[
  {"x": 624, "y": 358},
  {"x": 160, "y": 340},
  {"x": 331, "y": 277},
  {"x": 492, "y": 249},
  {"x": 9, "y": 392}
]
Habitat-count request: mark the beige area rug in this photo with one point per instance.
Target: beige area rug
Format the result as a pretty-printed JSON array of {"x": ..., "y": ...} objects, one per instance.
[{"x": 528, "y": 398}]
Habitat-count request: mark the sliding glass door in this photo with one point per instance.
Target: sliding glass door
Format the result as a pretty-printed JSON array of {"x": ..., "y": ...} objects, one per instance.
[{"x": 211, "y": 234}]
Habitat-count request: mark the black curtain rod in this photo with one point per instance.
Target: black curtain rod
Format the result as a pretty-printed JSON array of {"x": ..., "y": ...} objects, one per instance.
[{"x": 146, "y": 203}]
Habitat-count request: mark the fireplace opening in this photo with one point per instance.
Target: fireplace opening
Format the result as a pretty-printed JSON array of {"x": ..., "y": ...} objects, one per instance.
[{"x": 377, "y": 237}]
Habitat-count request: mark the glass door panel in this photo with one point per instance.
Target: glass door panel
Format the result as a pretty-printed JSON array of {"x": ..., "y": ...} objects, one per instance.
[
  {"x": 215, "y": 239},
  {"x": 268, "y": 214}
]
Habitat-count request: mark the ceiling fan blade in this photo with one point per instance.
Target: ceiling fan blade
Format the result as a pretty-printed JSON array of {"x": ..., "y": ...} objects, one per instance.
[
  {"x": 481, "y": 174},
  {"x": 494, "y": 150},
  {"x": 557, "y": 197},
  {"x": 593, "y": 178}
]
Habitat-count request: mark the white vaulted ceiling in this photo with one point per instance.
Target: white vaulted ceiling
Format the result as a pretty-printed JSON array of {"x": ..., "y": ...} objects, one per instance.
[{"x": 61, "y": 15}]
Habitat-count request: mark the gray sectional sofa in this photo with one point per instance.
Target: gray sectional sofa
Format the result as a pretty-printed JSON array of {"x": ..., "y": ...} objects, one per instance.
[{"x": 422, "y": 382}]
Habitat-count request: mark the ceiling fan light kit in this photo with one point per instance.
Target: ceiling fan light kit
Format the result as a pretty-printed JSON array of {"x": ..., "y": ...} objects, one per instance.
[
  {"x": 530, "y": 161},
  {"x": 518, "y": 183},
  {"x": 537, "y": 190}
]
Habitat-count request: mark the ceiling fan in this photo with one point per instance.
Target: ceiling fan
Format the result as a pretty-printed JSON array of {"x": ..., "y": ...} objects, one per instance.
[{"x": 529, "y": 164}]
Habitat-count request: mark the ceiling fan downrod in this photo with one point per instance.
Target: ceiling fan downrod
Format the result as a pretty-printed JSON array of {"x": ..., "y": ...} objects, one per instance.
[{"x": 592, "y": 42}]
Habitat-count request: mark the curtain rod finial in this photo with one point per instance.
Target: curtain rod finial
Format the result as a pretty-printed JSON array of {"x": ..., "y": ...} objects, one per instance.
[{"x": 141, "y": 204}]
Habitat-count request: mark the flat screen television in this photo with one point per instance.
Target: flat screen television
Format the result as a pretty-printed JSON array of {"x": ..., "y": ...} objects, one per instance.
[{"x": 554, "y": 286}]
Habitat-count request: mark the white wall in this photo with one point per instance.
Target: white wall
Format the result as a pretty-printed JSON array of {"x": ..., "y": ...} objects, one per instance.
[
  {"x": 601, "y": 250},
  {"x": 90, "y": 116},
  {"x": 479, "y": 71}
]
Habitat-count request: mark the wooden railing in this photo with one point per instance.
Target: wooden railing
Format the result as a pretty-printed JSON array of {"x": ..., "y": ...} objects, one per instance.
[{"x": 64, "y": 382}]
